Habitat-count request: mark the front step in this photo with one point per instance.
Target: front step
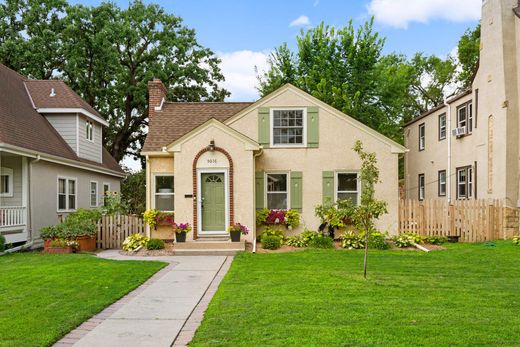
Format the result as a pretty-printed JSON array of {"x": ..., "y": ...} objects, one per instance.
[
  {"x": 237, "y": 246},
  {"x": 221, "y": 238},
  {"x": 204, "y": 247}
]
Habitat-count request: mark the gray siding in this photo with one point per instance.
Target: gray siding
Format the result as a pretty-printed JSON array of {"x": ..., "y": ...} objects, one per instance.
[
  {"x": 88, "y": 149},
  {"x": 66, "y": 125},
  {"x": 44, "y": 185},
  {"x": 14, "y": 163}
]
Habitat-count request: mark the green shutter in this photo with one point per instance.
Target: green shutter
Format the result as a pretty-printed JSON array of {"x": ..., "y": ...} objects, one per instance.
[
  {"x": 263, "y": 126},
  {"x": 313, "y": 127},
  {"x": 259, "y": 190},
  {"x": 328, "y": 186},
  {"x": 296, "y": 191}
]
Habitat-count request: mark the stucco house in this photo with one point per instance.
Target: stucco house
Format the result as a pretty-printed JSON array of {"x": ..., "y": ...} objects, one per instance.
[
  {"x": 215, "y": 163},
  {"x": 469, "y": 147},
  {"x": 52, "y": 160}
]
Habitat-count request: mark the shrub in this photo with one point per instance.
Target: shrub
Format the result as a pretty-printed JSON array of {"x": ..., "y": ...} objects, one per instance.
[
  {"x": 322, "y": 241},
  {"x": 2, "y": 243},
  {"x": 435, "y": 240},
  {"x": 270, "y": 231},
  {"x": 351, "y": 240},
  {"x": 292, "y": 218},
  {"x": 134, "y": 241},
  {"x": 113, "y": 204},
  {"x": 405, "y": 240},
  {"x": 270, "y": 242},
  {"x": 59, "y": 243},
  {"x": 302, "y": 239},
  {"x": 155, "y": 244},
  {"x": 79, "y": 223},
  {"x": 376, "y": 240},
  {"x": 516, "y": 240}
]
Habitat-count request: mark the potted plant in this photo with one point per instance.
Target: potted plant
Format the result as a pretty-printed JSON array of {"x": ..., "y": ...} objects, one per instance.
[
  {"x": 59, "y": 246},
  {"x": 235, "y": 230},
  {"x": 181, "y": 230}
]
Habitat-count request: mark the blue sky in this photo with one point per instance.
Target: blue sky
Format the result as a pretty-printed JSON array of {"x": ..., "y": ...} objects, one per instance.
[{"x": 243, "y": 33}]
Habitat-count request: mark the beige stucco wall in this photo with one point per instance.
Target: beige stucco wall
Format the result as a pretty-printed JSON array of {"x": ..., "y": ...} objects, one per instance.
[
  {"x": 495, "y": 150},
  {"x": 44, "y": 187},
  {"x": 336, "y": 140}
]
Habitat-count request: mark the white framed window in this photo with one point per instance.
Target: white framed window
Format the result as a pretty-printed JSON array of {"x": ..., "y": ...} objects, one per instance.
[
  {"x": 164, "y": 192},
  {"x": 277, "y": 190},
  {"x": 67, "y": 196},
  {"x": 89, "y": 130},
  {"x": 6, "y": 182},
  {"x": 288, "y": 127},
  {"x": 347, "y": 186},
  {"x": 465, "y": 117},
  {"x": 421, "y": 187},
  {"x": 106, "y": 190},
  {"x": 442, "y": 183},
  {"x": 93, "y": 194},
  {"x": 442, "y": 126},
  {"x": 422, "y": 136},
  {"x": 464, "y": 182}
]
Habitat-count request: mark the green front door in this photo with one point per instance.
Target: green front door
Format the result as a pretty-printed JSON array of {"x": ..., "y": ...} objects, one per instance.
[{"x": 213, "y": 202}]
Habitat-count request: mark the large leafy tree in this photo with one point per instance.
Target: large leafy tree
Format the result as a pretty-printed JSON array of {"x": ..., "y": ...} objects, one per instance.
[
  {"x": 468, "y": 54},
  {"x": 346, "y": 68},
  {"x": 107, "y": 55}
]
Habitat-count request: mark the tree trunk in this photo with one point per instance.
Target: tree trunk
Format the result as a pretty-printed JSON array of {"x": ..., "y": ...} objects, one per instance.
[{"x": 366, "y": 254}]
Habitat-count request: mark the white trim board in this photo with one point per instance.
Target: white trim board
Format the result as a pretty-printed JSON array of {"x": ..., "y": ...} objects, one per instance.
[{"x": 92, "y": 116}]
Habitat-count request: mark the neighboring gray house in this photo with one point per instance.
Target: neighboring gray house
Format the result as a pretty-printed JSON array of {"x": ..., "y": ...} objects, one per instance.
[{"x": 52, "y": 160}]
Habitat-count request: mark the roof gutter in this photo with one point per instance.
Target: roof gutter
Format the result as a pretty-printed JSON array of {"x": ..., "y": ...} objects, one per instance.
[{"x": 4, "y": 147}]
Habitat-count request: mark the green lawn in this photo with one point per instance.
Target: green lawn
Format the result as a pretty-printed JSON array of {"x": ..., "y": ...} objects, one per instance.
[
  {"x": 468, "y": 295},
  {"x": 44, "y": 296}
]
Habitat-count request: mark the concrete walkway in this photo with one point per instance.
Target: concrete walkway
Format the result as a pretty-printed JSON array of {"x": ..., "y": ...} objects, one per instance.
[{"x": 164, "y": 311}]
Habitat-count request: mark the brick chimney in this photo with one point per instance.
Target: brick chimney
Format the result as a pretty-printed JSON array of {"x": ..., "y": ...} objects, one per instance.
[{"x": 156, "y": 96}]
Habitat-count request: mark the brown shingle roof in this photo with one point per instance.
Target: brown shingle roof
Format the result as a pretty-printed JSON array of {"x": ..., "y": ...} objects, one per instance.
[
  {"x": 64, "y": 97},
  {"x": 179, "y": 118},
  {"x": 22, "y": 126}
]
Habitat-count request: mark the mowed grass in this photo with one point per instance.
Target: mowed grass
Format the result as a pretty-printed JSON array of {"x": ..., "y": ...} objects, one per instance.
[
  {"x": 44, "y": 296},
  {"x": 468, "y": 295}
]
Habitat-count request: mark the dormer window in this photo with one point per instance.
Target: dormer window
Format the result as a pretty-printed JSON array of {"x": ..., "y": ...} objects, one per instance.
[{"x": 89, "y": 127}]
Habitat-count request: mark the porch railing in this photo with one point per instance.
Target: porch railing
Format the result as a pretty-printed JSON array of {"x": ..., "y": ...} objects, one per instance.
[{"x": 12, "y": 216}]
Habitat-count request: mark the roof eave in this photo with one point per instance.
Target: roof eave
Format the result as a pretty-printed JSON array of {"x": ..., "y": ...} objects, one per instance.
[{"x": 92, "y": 116}]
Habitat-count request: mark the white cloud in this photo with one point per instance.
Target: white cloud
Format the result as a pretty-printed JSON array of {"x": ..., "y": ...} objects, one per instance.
[
  {"x": 300, "y": 21},
  {"x": 239, "y": 70},
  {"x": 399, "y": 13}
]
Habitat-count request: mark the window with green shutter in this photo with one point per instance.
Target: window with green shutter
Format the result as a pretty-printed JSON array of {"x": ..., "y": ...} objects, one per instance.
[
  {"x": 313, "y": 127},
  {"x": 264, "y": 127},
  {"x": 259, "y": 190},
  {"x": 296, "y": 190},
  {"x": 328, "y": 186}
]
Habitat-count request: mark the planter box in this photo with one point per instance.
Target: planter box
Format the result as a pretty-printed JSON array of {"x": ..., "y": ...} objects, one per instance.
[
  {"x": 86, "y": 244},
  {"x": 59, "y": 250}
]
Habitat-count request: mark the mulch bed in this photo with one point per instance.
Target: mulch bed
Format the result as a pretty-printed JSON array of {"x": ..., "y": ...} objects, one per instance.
[{"x": 168, "y": 250}]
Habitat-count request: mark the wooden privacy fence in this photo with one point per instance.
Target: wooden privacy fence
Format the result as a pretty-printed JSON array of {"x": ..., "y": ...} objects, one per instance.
[
  {"x": 113, "y": 230},
  {"x": 471, "y": 220}
]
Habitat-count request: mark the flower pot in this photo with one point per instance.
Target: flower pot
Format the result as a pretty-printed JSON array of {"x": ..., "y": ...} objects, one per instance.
[
  {"x": 235, "y": 235},
  {"x": 59, "y": 250},
  {"x": 180, "y": 237}
]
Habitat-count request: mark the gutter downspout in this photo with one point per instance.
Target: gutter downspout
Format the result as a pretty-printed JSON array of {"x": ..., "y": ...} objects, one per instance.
[
  {"x": 448, "y": 134},
  {"x": 254, "y": 194}
]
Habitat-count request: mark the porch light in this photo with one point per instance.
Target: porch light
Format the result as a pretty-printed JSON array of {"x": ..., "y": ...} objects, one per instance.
[{"x": 211, "y": 145}]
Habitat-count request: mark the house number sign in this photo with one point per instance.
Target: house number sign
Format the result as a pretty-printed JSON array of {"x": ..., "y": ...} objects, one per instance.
[{"x": 212, "y": 160}]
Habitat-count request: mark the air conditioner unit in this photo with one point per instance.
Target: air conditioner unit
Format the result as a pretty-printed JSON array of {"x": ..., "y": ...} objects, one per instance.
[{"x": 458, "y": 132}]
